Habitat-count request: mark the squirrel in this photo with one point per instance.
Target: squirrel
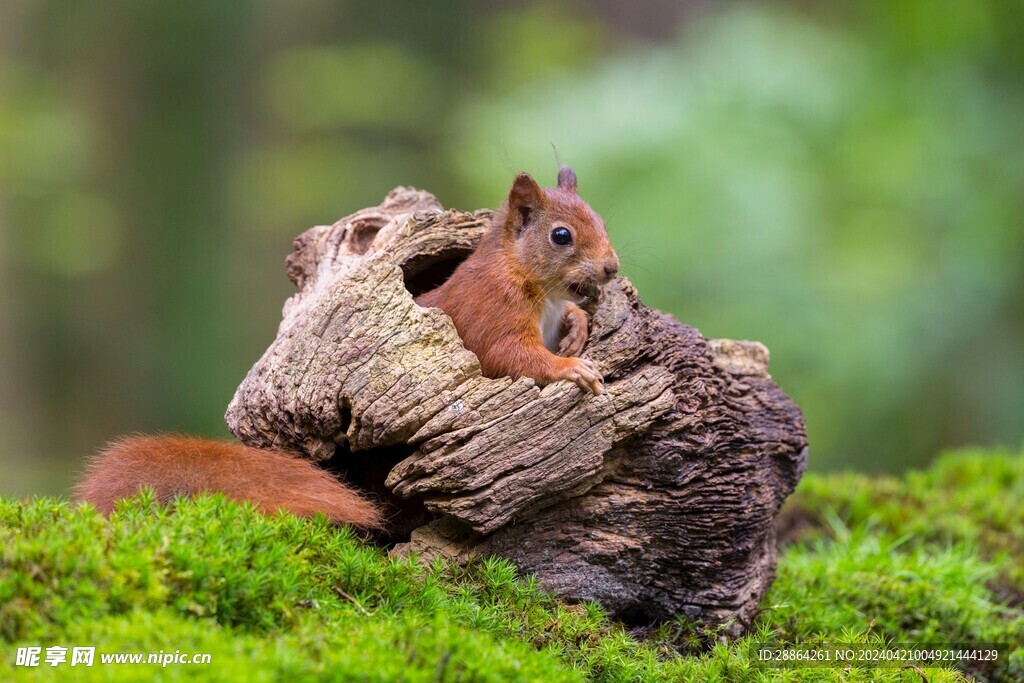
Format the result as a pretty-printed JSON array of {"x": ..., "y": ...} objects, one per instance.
[
  {"x": 516, "y": 300},
  {"x": 516, "y": 303}
]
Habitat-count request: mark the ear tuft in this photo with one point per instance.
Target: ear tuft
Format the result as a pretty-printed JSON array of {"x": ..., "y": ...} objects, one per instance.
[
  {"x": 524, "y": 199},
  {"x": 567, "y": 179}
]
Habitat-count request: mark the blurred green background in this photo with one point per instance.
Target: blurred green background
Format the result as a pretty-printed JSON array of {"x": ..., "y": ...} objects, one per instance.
[{"x": 843, "y": 181}]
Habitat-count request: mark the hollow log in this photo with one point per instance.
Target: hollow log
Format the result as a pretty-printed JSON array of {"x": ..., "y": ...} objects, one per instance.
[{"x": 654, "y": 500}]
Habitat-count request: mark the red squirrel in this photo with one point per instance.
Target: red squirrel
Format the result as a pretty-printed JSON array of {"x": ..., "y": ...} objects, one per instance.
[
  {"x": 515, "y": 303},
  {"x": 518, "y": 294}
]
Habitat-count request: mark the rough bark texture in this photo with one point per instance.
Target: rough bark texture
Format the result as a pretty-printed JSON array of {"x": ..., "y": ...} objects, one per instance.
[{"x": 655, "y": 499}]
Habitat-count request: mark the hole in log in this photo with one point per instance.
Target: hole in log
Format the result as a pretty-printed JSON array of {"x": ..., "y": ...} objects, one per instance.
[
  {"x": 429, "y": 271},
  {"x": 367, "y": 470},
  {"x": 346, "y": 414},
  {"x": 362, "y": 234}
]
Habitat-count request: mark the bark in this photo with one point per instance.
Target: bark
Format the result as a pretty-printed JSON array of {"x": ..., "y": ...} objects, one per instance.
[{"x": 655, "y": 499}]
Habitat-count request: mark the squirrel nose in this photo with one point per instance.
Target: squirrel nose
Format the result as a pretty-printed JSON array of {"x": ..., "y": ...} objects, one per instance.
[{"x": 611, "y": 268}]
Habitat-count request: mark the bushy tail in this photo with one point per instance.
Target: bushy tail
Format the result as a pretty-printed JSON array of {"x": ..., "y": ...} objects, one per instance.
[{"x": 176, "y": 465}]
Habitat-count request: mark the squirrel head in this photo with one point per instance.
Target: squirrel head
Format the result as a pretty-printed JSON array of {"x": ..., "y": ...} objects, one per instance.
[{"x": 560, "y": 241}]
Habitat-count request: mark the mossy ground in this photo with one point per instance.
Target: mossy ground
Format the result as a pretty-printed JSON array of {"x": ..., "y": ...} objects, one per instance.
[{"x": 932, "y": 557}]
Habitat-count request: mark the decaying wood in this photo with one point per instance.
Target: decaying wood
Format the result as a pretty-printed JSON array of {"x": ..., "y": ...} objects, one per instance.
[{"x": 655, "y": 499}]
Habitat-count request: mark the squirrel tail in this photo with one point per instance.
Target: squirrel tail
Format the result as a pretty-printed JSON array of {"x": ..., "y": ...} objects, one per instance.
[{"x": 182, "y": 465}]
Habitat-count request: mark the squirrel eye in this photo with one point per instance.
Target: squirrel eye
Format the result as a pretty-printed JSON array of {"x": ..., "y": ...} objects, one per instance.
[{"x": 561, "y": 236}]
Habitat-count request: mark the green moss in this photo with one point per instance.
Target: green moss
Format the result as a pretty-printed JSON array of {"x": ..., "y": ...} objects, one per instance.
[
  {"x": 290, "y": 599},
  {"x": 974, "y": 496}
]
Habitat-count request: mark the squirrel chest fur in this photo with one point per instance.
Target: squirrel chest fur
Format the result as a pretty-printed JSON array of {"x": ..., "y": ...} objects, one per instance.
[{"x": 551, "y": 322}]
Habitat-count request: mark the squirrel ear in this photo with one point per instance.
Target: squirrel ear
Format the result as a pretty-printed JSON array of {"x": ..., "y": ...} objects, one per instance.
[
  {"x": 524, "y": 198},
  {"x": 567, "y": 179}
]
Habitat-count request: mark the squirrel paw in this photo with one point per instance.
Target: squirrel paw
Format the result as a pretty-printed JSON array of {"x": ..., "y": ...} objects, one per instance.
[
  {"x": 574, "y": 321},
  {"x": 584, "y": 373}
]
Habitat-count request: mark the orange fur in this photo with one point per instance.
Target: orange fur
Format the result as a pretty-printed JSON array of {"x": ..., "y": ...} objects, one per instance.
[
  {"x": 176, "y": 465},
  {"x": 497, "y": 295}
]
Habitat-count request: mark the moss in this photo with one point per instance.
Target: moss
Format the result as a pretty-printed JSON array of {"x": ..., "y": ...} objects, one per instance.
[
  {"x": 290, "y": 599},
  {"x": 974, "y": 496}
]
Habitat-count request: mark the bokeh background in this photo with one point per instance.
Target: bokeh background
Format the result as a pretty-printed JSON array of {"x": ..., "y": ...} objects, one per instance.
[{"x": 843, "y": 181}]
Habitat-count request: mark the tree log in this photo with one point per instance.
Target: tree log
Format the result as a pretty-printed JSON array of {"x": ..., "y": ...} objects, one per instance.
[{"x": 655, "y": 499}]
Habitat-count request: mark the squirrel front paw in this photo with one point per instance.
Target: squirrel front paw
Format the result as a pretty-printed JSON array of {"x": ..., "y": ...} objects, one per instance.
[
  {"x": 574, "y": 322},
  {"x": 584, "y": 373}
]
